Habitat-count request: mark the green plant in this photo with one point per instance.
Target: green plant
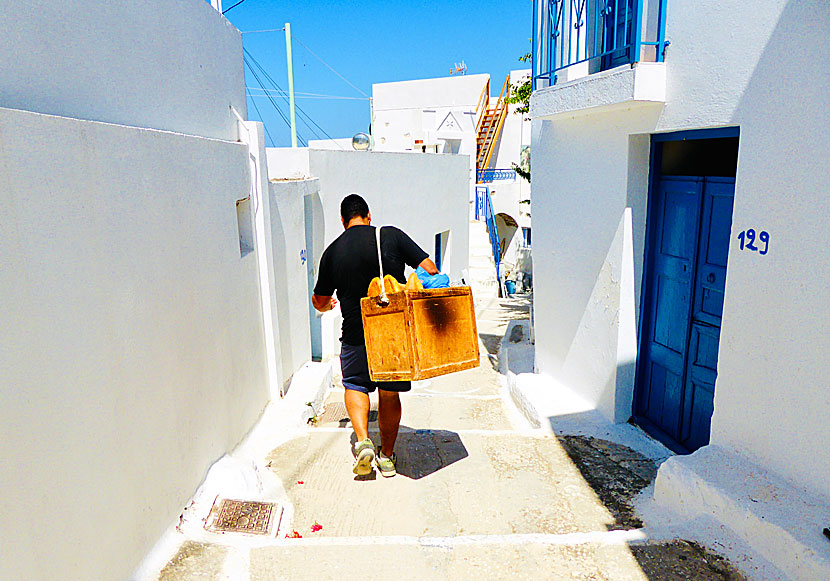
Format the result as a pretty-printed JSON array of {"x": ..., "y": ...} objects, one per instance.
[
  {"x": 525, "y": 174},
  {"x": 519, "y": 93}
]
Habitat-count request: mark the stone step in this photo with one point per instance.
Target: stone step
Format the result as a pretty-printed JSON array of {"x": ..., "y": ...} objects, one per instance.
[
  {"x": 440, "y": 471},
  {"x": 756, "y": 513}
]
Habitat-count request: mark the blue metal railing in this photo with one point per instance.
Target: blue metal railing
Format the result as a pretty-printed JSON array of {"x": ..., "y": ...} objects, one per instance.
[
  {"x": 603, "y": 33},
  {"x": 487, "y": 176},
  {"x": 484, "y": 212}
]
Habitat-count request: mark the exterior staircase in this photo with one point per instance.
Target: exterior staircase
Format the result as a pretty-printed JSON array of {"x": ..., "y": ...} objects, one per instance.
[
  {"x": 482, "y": 268},
  {"x": 489, "y": 124}
]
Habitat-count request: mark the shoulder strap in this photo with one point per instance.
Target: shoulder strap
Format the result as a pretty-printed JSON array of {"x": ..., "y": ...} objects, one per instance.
[{"x": 383, "y": 299}]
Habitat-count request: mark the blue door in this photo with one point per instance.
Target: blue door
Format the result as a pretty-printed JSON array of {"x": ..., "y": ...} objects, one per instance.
[{"x": 688, "y": 231}]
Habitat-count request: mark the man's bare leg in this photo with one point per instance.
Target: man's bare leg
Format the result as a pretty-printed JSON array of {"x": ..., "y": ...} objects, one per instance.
[
  {"x": 357, "y": 404},
  {"x": 389, "y": 419}
]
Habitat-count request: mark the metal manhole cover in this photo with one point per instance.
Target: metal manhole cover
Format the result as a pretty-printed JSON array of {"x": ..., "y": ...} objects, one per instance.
[{"x": 242, "y": 516}]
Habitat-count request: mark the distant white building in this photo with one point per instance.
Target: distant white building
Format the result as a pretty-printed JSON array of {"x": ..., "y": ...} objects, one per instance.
[
  {"x": 680, "y": 195},
  {"x": 457, "y": 115}
]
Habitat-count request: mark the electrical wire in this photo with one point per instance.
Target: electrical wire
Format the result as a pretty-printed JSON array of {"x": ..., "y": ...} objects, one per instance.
[
  {"x": 256, "y": 31},
  {"x": 329, "y": 66},
  {"x": 299, "y": 95},
  {"x": 305, "y": 117},
  {"x": 232, "y": 7},
  {"x": 260, "y": 117},
  {"x": 274, "y": 103}
]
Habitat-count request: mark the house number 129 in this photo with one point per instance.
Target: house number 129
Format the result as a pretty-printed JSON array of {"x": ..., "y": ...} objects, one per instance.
[{"x": 747, "y": 238}]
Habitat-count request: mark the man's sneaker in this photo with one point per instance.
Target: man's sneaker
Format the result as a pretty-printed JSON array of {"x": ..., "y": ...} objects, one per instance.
[
  {"x": 386, "y": 464},
  {"x": 364, "y": 454}
]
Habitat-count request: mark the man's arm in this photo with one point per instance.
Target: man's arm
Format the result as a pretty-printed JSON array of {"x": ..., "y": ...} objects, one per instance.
[
  {"x": 429, "y": 266},
  {"x": 323, "y": 304}
]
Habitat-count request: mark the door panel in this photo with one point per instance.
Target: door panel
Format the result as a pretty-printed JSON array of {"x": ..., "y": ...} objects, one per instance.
[
  {"x": 683, "y": 302},
  {"x": 710, "y": 279},
  {"x": 670, "y": 308},
  {"x": 710, "y": 283}
]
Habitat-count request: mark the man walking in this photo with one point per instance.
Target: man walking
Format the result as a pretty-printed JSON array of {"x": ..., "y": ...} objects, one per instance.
[{"x": 347, "y": 266}]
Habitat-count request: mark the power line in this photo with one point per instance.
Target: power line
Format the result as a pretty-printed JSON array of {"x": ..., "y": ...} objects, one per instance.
[
  {"x": 232, "y": 7},
  {"x": 329, "y": 66},
  {"x": 282, "y": 94},
  {"x": 257, "y": 31},
  {"x": 305, "y": 117},
  {"x": 249, "y": 58},
  {"x": 260, "y": 117},
  {"x": 300, "y": 95},
  {"x": 259, "y": 82}
]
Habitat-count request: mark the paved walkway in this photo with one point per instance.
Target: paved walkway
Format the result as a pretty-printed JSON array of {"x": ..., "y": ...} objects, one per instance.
[{"x": 478, "y": 495}]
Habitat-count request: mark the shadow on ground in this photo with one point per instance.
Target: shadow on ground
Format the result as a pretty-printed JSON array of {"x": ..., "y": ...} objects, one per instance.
[
  {"x": 615, "y": 472},
  {"x": 683, "y": 560},
  {"x": 422, "y": 452}
]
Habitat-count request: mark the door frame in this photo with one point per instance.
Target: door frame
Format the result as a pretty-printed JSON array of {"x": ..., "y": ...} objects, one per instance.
[{"x": 646, "y": 291}]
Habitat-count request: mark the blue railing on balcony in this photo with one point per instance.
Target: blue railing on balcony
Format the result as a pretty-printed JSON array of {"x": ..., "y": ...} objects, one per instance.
[
  {"x": 487, "y": 176},
  {"x": 602, "y": 33}
]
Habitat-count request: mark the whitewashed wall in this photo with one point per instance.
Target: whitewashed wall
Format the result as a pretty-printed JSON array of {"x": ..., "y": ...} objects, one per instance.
[
  {"x": 421, "y": 194},
  {"x": 421, "y": 109},
  {"x": 132, "y": 348},
  {"x": 288, "y": 228},
  {"x": 729, "y": 64},
  {"x": 166, "y": 65}
]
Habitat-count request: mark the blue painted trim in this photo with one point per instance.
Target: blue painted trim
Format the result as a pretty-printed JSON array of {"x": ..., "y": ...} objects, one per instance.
[
  {"x": 533, "y": 43},
  {"x": 714, "y": 133},
  {"x": 583, "y": 20},
  {"x": 661, "y": 33},
  {"x": 636, "y": 33},
  {"x": 486, "y": 176}
]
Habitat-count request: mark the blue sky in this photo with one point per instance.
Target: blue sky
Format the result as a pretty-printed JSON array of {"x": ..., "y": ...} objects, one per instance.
[{"x": 372, "y": 42}]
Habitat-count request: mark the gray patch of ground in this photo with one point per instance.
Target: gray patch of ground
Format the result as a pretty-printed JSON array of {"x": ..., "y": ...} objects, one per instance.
[
  {"x": 682, "y": 560},
  {"x": 616, "y": 473}
]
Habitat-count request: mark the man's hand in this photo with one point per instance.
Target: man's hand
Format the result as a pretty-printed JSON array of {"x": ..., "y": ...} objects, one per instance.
[
  {"x": 429, "y": 266},
  {"x": 323, "y": 304}
]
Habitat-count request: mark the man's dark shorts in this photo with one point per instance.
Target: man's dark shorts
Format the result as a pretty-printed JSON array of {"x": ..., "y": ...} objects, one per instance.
[{"x": 355, "y": 369}]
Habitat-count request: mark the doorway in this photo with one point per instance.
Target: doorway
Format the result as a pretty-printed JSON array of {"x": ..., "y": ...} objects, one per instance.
[{"x": 687, "y": 244}]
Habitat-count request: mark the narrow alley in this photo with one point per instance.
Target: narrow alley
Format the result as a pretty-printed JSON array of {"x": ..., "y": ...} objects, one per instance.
[{"x": 478, "y": 495}]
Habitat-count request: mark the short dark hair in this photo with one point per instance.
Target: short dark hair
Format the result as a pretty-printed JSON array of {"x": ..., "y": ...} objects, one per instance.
[{"x": 353, "y": 206}]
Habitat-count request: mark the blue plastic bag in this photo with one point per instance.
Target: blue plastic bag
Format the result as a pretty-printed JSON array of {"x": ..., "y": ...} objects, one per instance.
[{"x": 432, "y": 280}]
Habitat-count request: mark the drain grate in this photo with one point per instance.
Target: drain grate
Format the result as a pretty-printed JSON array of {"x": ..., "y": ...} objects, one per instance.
[{"x": 242, "y": 516}]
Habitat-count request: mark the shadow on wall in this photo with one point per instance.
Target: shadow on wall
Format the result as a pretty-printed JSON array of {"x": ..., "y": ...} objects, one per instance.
[
  {"x": 315, "y": 236},
  {"x": 774, "y": 130}
]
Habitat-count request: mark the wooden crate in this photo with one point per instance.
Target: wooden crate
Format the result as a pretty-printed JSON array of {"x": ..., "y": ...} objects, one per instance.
[{"x": 420, "y": 334}]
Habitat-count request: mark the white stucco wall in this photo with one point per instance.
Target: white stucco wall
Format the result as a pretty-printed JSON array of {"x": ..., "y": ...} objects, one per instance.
[
  {"x": 132, "y": 348},
  {"x": 291, "y": 270},
  {"x": 767, "y": 76},
  {"x": 421, "y": 194},
  {"x": 440, "y": 111},
  {"x": 166, "y": 65}
]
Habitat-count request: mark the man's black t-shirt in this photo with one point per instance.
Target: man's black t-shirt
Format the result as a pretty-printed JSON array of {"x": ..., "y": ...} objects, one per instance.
[{"x": 350, "y": 263}]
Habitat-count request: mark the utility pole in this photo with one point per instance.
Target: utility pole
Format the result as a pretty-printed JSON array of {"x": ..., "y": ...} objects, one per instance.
[{"x": 290, "y": 84}]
